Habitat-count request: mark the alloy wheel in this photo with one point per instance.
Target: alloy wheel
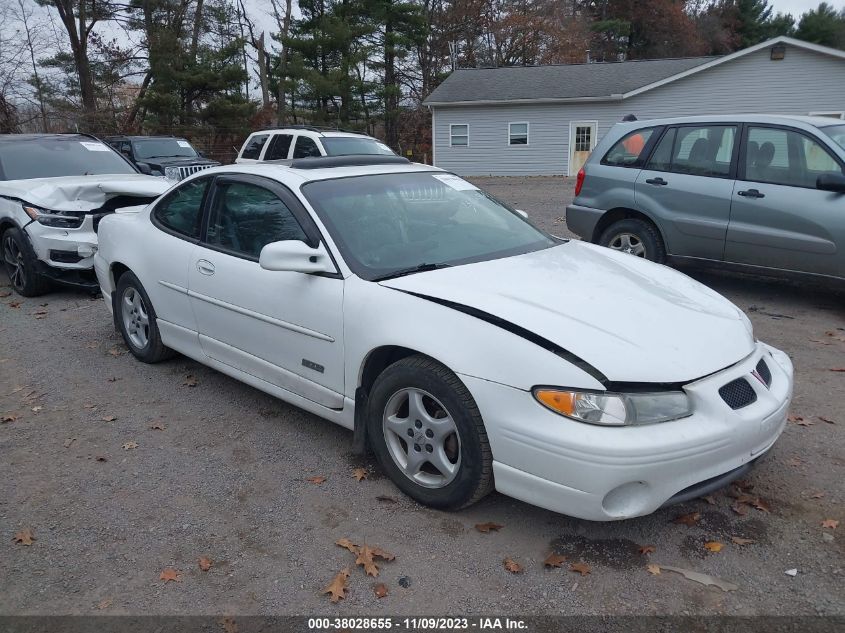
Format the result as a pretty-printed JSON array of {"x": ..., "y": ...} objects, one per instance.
[
  {"x": 136, "y": 320},
  {"x": 628, "y": 243},
  {"x": 13, "y": 260},
  {"x": 422, "y": 438}
]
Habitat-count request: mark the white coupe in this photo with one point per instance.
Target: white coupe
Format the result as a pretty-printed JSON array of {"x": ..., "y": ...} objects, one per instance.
[{"x": 466, "y": 348}]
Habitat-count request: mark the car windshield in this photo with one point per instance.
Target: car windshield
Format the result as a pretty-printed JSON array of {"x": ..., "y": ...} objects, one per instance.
[
  {"x": 347, "y": 145},
  {"x": 391, "y": 224},
  {"x": 837, "y": 133},
  {"x": 163, "y": 148},
  {"x": 55, "y": 156}
]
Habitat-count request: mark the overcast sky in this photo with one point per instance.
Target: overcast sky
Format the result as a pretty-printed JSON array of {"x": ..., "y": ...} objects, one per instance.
[{"x": 797, "y": 7}]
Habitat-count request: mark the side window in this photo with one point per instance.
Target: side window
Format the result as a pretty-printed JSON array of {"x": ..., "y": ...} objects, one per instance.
[
  {"x": 246, "y": 217},
  {"x": 279, "y": 146},
  {"x": 628, "y": 151},
  {"x": 305, "y": 147},
  {"x": 253, "y": 146},
  {"x": 698, "y": 151},
  {"x": 785, "y": 157},
  {"x": 181, "y": 210}
]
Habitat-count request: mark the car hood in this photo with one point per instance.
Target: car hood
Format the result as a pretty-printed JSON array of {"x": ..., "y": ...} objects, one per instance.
[
  {"x": 82, "y": 193},
  {"x": 630, "y": 319}
]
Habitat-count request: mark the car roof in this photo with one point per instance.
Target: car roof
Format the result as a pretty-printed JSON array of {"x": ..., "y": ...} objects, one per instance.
[
  {"x": 290, "y": 175},
  {"x": 141, "y": 137},
  {"x": 314, "y": 131},
  {"x": 772, "y": 119},
  {"x": 11, "y": 138}
]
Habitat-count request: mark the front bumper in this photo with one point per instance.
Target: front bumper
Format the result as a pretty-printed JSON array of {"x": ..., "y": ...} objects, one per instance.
[
  {"x": 610, "y": 473},
  {"x": 64, "y": 249},
  {"x": 583, "y": 220}
]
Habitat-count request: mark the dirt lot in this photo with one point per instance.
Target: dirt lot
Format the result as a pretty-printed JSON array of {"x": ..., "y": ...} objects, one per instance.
[{"x": 113, "y": 500}]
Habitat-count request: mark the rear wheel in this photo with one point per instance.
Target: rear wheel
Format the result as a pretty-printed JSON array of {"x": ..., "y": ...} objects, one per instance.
[
  {"x": 136, "y": 319},
  {"x": 427, "y": 433},
  {"x": 21, "y": 264},
  {"x": 635, "y": 237}
]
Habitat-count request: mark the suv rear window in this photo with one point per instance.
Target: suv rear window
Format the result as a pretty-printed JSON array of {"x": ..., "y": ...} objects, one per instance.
[
  {"x": 253, "y": 146},
  {"x": 628, "y": 151}
]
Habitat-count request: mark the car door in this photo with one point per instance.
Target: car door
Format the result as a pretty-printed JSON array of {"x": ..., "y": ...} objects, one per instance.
[
  {"x": 686, "y": 187},
  {"x": 176, "y": 224},
  {"x": 779, "y": 219},
  {"x": 285, "y": 328}
]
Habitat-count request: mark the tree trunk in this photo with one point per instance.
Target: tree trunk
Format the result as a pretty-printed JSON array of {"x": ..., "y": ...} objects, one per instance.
[
  {"x": 262, "y": 72},
  {"x": 79, "y": 48},
  {"x": 391, "y": 89},
  {"x": 283, "y": 66}
]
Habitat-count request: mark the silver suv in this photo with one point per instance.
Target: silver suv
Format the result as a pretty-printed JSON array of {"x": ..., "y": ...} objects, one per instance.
[{"x": 752, "y": 191}]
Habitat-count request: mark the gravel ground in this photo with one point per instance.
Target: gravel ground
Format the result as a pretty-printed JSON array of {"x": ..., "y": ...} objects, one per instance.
[{"x": 225, "y": 477}]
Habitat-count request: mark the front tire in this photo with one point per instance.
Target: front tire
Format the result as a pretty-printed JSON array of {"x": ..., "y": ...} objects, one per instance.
[
  {"x": 636, "y": 237},
  {"x": 427, "y": 433},
  {"x": 22, "y": 265},
  {"x": 135, "y": 317}
]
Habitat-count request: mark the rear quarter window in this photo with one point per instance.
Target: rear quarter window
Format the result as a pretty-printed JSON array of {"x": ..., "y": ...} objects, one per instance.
[{"x": 629, "y": 151}]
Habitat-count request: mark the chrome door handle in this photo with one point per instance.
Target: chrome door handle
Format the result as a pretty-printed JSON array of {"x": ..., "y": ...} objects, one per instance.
[{"x": 205, "y": 267}]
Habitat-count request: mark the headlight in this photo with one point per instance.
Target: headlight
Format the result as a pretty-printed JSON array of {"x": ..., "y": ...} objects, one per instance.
[
  {"x": 172, "y": 173},
  {"x": 615, "y": 409},
  {"x": 56, "y": 219}
]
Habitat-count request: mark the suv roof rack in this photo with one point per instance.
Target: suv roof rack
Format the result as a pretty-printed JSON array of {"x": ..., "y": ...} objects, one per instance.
[
  {"x": 352, "y": 160},
  {"x": 310, "y": 128}
]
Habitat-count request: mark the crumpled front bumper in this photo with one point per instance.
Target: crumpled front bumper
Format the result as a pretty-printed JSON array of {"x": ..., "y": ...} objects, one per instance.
[
  {"x": 66, "y": 255},
  {"x": 610, "y": 473}
]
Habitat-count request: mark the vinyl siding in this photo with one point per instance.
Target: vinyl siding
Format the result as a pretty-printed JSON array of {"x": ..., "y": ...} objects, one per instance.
[{"x": 801, "y": 83}]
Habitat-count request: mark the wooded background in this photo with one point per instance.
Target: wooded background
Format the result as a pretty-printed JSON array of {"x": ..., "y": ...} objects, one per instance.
[{"x": 214, "y": 70}]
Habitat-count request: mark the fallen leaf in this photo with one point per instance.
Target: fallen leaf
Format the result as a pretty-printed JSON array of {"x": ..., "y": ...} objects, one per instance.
[
  {"x": 317, "y": 479},
  {"x": 714, "y": 546},
  {"x": 102, "y": 458},
  {"x": 337, "y": 587},
  {"x": 14, "y": 304},
  {"x": 512, "y": 566},
  {"x": 380, "y": 553},
  {"x": 115, "y": 352},
  {"x": 36, "y": 409},
  {"x": 25, "y": 537},
  {"x": 365, "y": 559},
  {"x": 794, "y": 462},
  {"x": 205, "y": 563},
  {"x": 128, "y": 446},
  {"x": 743, "y": 484},
  {"x": 190, "y": 381},
  {"x": 40, "y": 312},
  {"x": 710, "y": 499},
  {"x": 5, "y": 294},
  {"x": 112, "y": 379},
  {"x": 839, "y": 369},
  {"x": 345, "y": 542},
  {"x": 740, "y": 509},
  {"x": 581, "y": 568},
  {"x": 380, "y": 590},
  {"x": 157, "y": 426},
  {"x": 830, "y": 523},
  {"x": 742, "y": 541},
  {"x": 488, "y": 527},
  {"x": 805, "y": 423},
  {"x": 108, "y": 418},
  {"x": 654, "y": 570},
  {"x": 795, "y": 418},
  {"x": 69, "y": 441},
  {"x": 386, "y": 499},
  {"x": 688, "y": 519},
  {"x": 554, "y": 560},
  {"x": 170, "y": 575},
  {"x": 791, "y": 572},
  {"x": 105, "y": 603},
  {"x": 817, "y": 495},
  {"x": 828, "y": 420},
  {"x": 359, "y": 473},
  {"x": 8, "y": 417},
  {"x": 703, "y": 579},
  {"x": 647, "y": 549},
  {"x": 836, "y": 336},
  {"x": 762, "y": 505},
  {"x": 228, "y": 624}
]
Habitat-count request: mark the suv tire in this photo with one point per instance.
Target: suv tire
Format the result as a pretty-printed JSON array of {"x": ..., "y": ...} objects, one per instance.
[
  {"x": 22, "y": 265},
  {"x": 637, "y": 237}
]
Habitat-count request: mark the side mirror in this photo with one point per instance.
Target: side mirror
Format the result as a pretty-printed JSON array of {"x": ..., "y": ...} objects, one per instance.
[
  {"x": 831, "y": 182},
  {"x": 524, "y": 214},
  {"x": 295, "y": 256},
  {"x": 145, "y": 169}
]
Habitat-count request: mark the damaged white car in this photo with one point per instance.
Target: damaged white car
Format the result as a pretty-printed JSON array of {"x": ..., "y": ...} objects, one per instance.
[
  {"x": 468, "y": 349},
  {"x": 54, "y": 190}
]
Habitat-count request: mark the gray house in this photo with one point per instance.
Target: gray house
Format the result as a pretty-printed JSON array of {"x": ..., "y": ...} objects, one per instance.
[{"x": 545, "y": 120}]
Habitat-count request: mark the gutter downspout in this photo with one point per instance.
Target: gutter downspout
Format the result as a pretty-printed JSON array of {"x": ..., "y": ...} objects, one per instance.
[{"x": 433, "y": 141}]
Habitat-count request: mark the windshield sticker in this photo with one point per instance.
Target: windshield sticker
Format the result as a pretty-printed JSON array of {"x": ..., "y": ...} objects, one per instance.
[
  {"x": 184, "y": 144},
  {"x": 456, "y": 183},
  {"x": 94, "y": 147}
]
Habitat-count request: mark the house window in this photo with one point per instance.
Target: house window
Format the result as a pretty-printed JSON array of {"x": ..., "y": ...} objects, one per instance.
[
  {"x": 459, "y": 134},
  {"x": 517, "y": 134},
  {"x": 583, "y": 138}
]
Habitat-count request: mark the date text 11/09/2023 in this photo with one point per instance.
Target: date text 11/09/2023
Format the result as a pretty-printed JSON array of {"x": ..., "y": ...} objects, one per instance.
[{"x": 417, "y": 624}]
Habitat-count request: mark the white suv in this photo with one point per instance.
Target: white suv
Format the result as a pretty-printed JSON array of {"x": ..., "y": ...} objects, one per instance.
[{"x": 305, "y": 141}]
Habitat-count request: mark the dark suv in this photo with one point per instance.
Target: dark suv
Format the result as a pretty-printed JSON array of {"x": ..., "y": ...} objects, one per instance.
[{"x": 168, "y": 156}]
